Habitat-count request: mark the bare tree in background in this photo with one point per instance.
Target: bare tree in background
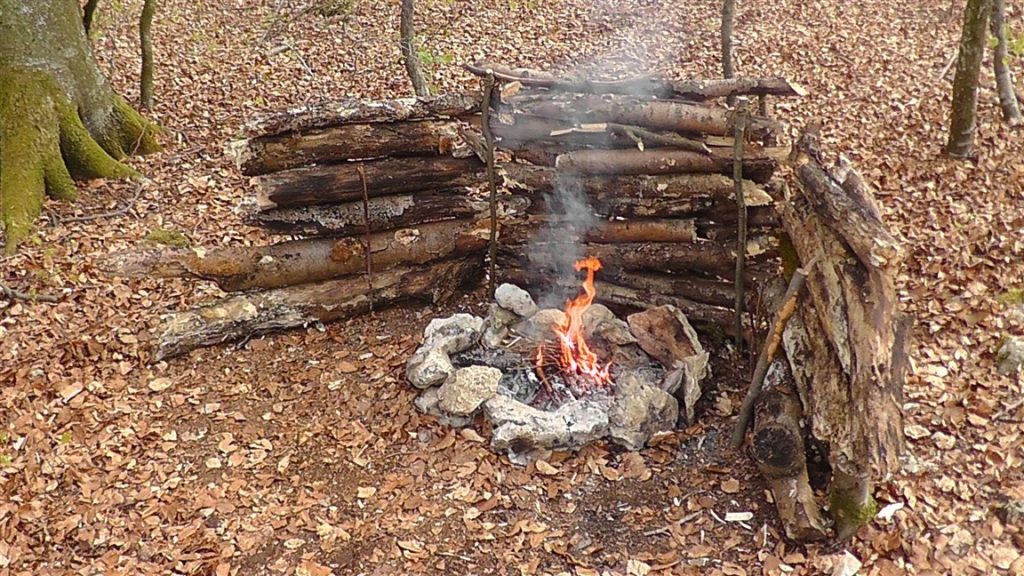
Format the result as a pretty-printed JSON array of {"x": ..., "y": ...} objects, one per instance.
[
  {"x": 728, "y": 15},
  {"x": 409, "y": 55},
  {"x": 964, "y": 119},
  {"x": 146, "y": 39},
  {"x": 1001, "y": 67}
]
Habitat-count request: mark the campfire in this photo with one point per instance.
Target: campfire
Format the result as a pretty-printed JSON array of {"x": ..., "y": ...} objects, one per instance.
[{"x": 550, "y": 379}]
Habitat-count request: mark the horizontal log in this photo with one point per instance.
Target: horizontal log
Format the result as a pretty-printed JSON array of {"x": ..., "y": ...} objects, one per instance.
[
  {"x": 651, "y": 85},
  {"x": 385, "y": 213},
  {"x": 521, "y": 230},
  {"x": 662, "y": 161},
  {"x": 668, "y": 115},
  {"x": 356, "y": 111},
  {"x": 304, "y": 261},
  {"x": 246, "y": 315},
  {"x": 343, "y": 183},
  {"x": 526, "y": 131},
  {"x": 543, "y": 179},
  {"x": 333, "y": 144}
]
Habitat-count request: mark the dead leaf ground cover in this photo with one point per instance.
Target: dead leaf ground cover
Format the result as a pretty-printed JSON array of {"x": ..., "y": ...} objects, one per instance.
[{"x": 301, "y": 453}]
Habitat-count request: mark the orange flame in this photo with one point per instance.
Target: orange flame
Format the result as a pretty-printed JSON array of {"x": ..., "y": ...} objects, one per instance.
[{"x": 576, "y": 358}]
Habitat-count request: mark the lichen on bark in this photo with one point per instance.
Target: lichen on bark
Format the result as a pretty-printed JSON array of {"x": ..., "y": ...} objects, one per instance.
[{"x": 59, "y": 118}]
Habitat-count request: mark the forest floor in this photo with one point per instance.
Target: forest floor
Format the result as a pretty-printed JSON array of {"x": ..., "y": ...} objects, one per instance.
[{"x": 301, "y": 453}]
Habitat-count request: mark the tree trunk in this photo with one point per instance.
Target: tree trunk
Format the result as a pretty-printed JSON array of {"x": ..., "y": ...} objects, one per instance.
[
  {"x": 304, "y": 261},
  {"x": 410, "y": 56},
  {"x": 963, "y": 121},
  {"x": 344, "y": 183},
  {"x": 385, "y": 213},
  {"x": 1001, "y": 65},
  {"x": 728, "y": 16},
  {"x": 89, "y": 14},
  {"x": 266, "y": 154},
  {"x": 59, "y": 117},
  {"x": 247, "y": 315},
  {"x": 146, "y": 41}
]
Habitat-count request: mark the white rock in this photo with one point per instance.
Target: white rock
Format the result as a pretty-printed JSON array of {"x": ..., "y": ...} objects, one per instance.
[
  {"x": 431, "y": 364},
  {"x": 540, "y": 325},
  {"x": 426, "y": 403},
  {"x": 1010, "y": 357},
  {"x": 514, "y": 298},
  {"x": 847, "y": 565},
  {"x": 639, "y": 412},
  {"x": 465, "y": 390}
]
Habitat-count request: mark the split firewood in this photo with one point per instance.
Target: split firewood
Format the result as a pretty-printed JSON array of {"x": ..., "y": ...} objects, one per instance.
[
  {"x": 304, "y": 261},
  {"x": 333, "y": 144},
  {"x": 355, "y": 111},
  {"x": 246, "y": 315},
  {"x": 668, "y": 115},
  {"x": 342, "y": 182},
  {"x": 779, "y": 451},
  {"x": 662, "y": 161},
  {"x": 652, "y": 85},
  {"x": 385, "y": 213}
]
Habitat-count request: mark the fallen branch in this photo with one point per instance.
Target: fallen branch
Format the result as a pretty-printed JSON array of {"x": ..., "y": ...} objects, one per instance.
[
  {"x": 112, "y": 214},
  {"x": 12, "y": 294},
  {"x": 771, "y": 345}
]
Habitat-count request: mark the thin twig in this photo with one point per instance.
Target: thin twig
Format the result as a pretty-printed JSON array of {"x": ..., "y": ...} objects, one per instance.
[
  {"x": 367, "y": 250},
  {"x": 741, "y": 209},
  {"x": 949, "y": 64},
  {"x": 12, "y": 294},
  {"x": 492, "y": 178},
  {"x": 771, "y": 345},
  {"x": 112, "y": 214},
  {"x": 1008, "y": 410}
]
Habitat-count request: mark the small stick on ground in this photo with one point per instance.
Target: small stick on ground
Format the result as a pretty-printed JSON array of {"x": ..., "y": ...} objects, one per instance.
[
  {"x": 740, "y": 117},
  {"x": 492, "y": 178},
  {"x": 12, "y": 294},
  {"x": 771, "y": 346},
  {"x": 112, "y": 214},
  {"x": 366, "y": 239}
]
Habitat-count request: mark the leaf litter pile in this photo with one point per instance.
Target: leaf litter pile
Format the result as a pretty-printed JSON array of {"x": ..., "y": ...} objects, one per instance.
[{"x": 301, "y": 453}]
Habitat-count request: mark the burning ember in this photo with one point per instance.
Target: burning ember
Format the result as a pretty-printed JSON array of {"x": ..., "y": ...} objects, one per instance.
[{"x": 577, "y": 361}]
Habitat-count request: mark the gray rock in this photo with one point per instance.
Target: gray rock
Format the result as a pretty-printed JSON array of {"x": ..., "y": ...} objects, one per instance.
[
  {"x": 594, "y": 316},
  {"x": 586, "y": 421},
  {"x": 426, "y": 403},
  {"x": 528, "y": 433},
  {"x": 496, "y": 326},
  {"x": 666, "y": 334},
  {"x": 639, "y": 412},
  {"x": 465, "y": 390},
  {"x": 514, "y": 298},
  {"x": 1010, "y": 357},
  {"x": 431, "y": 364},
  {"x": 540, "y": 325}
]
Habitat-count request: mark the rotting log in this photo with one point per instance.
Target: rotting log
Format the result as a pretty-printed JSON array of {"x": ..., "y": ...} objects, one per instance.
[
  {"x": 668, "y": 115},
  {"x": 343, "y": 183},
  {"x": 354, "y": 111},
  {"x": 333, "y": 144},
  {"x": 543, "y": 179},
  {"x": 651, "y": 85},
  {"x": 385, "y": 213},
  {"x": 662, "y": 161},
  {"x": 778, "y": 449},
  {"x": 848, "y": 349},
  {"x": 304, "y": 261},
  {"x": 246, "y": 315}
]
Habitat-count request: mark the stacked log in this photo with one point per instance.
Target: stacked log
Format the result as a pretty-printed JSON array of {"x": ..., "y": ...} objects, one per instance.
[
  {"x": 375, "y": 198},
  {"x": 654, "y": 160}
]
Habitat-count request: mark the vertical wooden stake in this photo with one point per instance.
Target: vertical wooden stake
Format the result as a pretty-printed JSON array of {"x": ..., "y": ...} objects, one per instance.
[
  {"x": 740, "y": 122},
  {"x": 367, "y": 250},
  {"x": 485, "y": 120},
  {"x": 762, "y": 105}
]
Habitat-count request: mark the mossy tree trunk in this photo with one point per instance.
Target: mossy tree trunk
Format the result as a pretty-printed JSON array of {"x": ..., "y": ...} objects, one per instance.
[
  {"x": 964, "y": 120},
  {"x": 59, "y": 117}
]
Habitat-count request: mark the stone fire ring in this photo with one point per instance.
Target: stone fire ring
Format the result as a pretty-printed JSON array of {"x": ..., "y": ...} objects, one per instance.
[{"x": 635, "y": 409}]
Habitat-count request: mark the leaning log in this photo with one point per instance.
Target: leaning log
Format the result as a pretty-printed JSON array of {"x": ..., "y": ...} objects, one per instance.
[
  {"x": 848, "y": 350},
  {"x": 344, "y": 183},
  {"x": 354, "y": 111},
  {"x": 304, "y": 261},
  {"x": 778, "y": 449},
  {"x": 668, "y": 115},
  {"x": 333, "y": 144},
  {"x": 663, "y": 161},
  {"x": 384, "y": 213},
  {"x": 247, "y": 315}
]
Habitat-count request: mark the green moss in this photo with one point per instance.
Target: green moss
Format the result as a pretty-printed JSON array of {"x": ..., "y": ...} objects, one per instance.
[
  {"x": 168, "y": 237},
  {"x": 849, "y": 514},
  {"x": 1012, "y": 297}
]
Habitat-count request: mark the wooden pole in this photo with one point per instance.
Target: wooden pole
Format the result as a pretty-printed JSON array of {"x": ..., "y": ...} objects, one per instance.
[
  {"x": 367, "y": 251},
  {"x": 741, "y": 211},
  {"x": 492, "y": 178},
  {"x": 771, "y": 345}
]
